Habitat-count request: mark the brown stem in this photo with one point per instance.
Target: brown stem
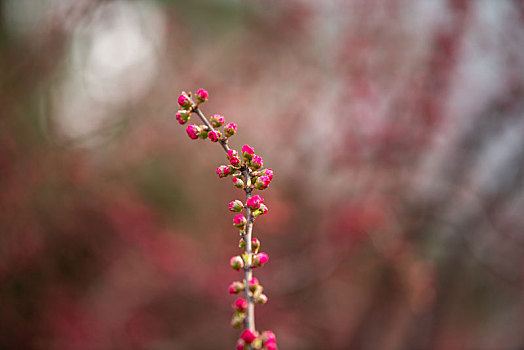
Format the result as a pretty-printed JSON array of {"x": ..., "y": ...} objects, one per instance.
[{"x": 248, "y": 275}]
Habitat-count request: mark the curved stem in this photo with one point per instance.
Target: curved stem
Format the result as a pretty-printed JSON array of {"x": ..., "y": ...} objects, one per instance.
[
  {"x": 248, "y": 270},
  {"x": 223, "y": 143}
]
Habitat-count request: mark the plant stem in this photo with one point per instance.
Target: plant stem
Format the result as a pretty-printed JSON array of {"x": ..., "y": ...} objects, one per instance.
[
  {"x": 248, "y": 275},
  {"x": 250, "y": 316},
  {"x": 223, "y": 143}
]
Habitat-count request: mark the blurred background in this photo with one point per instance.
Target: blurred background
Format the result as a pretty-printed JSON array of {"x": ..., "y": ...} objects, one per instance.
[{"x": 395, "y": 130}]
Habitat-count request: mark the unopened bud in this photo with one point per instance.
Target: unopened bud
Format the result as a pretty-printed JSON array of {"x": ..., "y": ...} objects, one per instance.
[
  {"x": 268, "y": 337},
  {"x": 239, "y": 221},
  {"x": 253, "y": 284},
  {"x": 184, "y": 101},
  {"x": 214, "y": 136},
  {"x": 261, "y": 210},
  {"x": 235, "y": 287},
  {"x": 262, "y": 182},
  {"x": 201, "y": 95},
  {"x": 257, "y": 162},
  {"x": 254, "y": 202},
  {"x": 217, "y": 120},
  {"x": 193, "y": 131},
  {"x": 249, "y": 336},
  {"x": 240, "y": 305},
  {"x": 182, "y": 116},
  {"x": 230, "y": 129},
  {"x": 238, "y": 320},
  {"x": 255, "y": 245},
  {"x": 238, "y": 183},
  {"x": 260, "y": 259},
  {"x": 247, "y": 152},
  {"x": 236, "y": 205},
  {"x": 223, "y": 171},
  {"x": 261, "y": 299},
  {"x": 236, "y": 262}
]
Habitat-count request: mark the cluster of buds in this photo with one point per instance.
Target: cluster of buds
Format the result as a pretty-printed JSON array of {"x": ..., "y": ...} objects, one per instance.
[
  {"x": 208, "y": 130},
  {"x": 247, "y": 171},
  {"x": 254, "y": 340}
]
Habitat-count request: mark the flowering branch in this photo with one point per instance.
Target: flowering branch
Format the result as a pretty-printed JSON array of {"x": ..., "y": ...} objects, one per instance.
[{"x": 247, "y": 173}]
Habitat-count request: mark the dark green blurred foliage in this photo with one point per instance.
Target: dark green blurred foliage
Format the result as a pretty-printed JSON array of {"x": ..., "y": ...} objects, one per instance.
[{"x": 394, "y": 128}]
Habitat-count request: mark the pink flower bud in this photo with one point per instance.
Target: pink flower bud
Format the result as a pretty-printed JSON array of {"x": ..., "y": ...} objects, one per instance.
[
  {"x": 260, "y": 259},
  {"x": 255, "y": 244},
  {"x": 236, "y": 287},
  {"x": 257, "y": 162},
  {"x": 201, "y": 95},
  {"x": 242, "y": 243},
  {"x": 230, "y": 129},
  {"x": 193, "y": 131},
  {"x": 268, "y": 337},
  {"x": 247, "y": 152},
  {"x": 262, "y": 182},
  {"x": 239, "y": 221},
  {"x": 217, "y": 120},
  {"x": 223, "y": 171},
  {"x": 269, "y": 173},
  {"x": 248, "y": 336},
  {"x": 271, "y": 346},
  {"x": 184, "y": 101},
  {"x": 236, "y": 262},
  {"x": 237, "y": 182},
  {"x": 241, "y": 345},
  {"x": 261, "y": 210},
  {"x": 214, "y": 135},
  {"x": 182, "y": 116},
  {"x": 253, "y": 284},
  {"x": 261, "y": 299},
  {"x": 238, "y": 320},
  {"x": 236, "y": 205},
  {"x": 240, "y": 305},
  {"x": 254, "y": 202}
]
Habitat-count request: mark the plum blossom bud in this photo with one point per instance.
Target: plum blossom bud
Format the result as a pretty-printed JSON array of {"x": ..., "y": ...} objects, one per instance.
[
  {"x": 184, "y": 101},
  {"x": 269, "y": 173},
  {"x": 238, "y": 320},
  {"x": 253, "y": 284},
  {"x": 236, "y": 205},
  {"x": 193, "y": 131},
  {"x": 214, "y": 135},
  {"x": 257, "y": 162},
  {"x": 204, "y": 131},
  {"x": 182, "y": 116},
  {"x": 235, "y": 287},
  {"x": 262, "y": 182},
  {"x": 248, "y": 336},
  {"x": 236, "y": 262},
  {"x": 239, "y": 221},
  {"x": 261, "y": 299},
  {"x": 232, "y": 155},
  {"x": 254, "y": 202},
  {"x": 247, "y": 152},
  {"x": 271, "y": 346},
  {"x": 217, "y": 120},
  {"x": 230, "y": 129},
  {"x": 240, "y": 345},
  {"x": 268, "y": 337},
  {"x": 260, "y": 259},
  {"x": 238, "y": 183},
  {"x": 255, "y": 244},
  {"x": 261, "y": 210},
  {"x": 240, "y": 305},
  {"x": 201, "y": 95},
  {"x": 223, "y": 171}
]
